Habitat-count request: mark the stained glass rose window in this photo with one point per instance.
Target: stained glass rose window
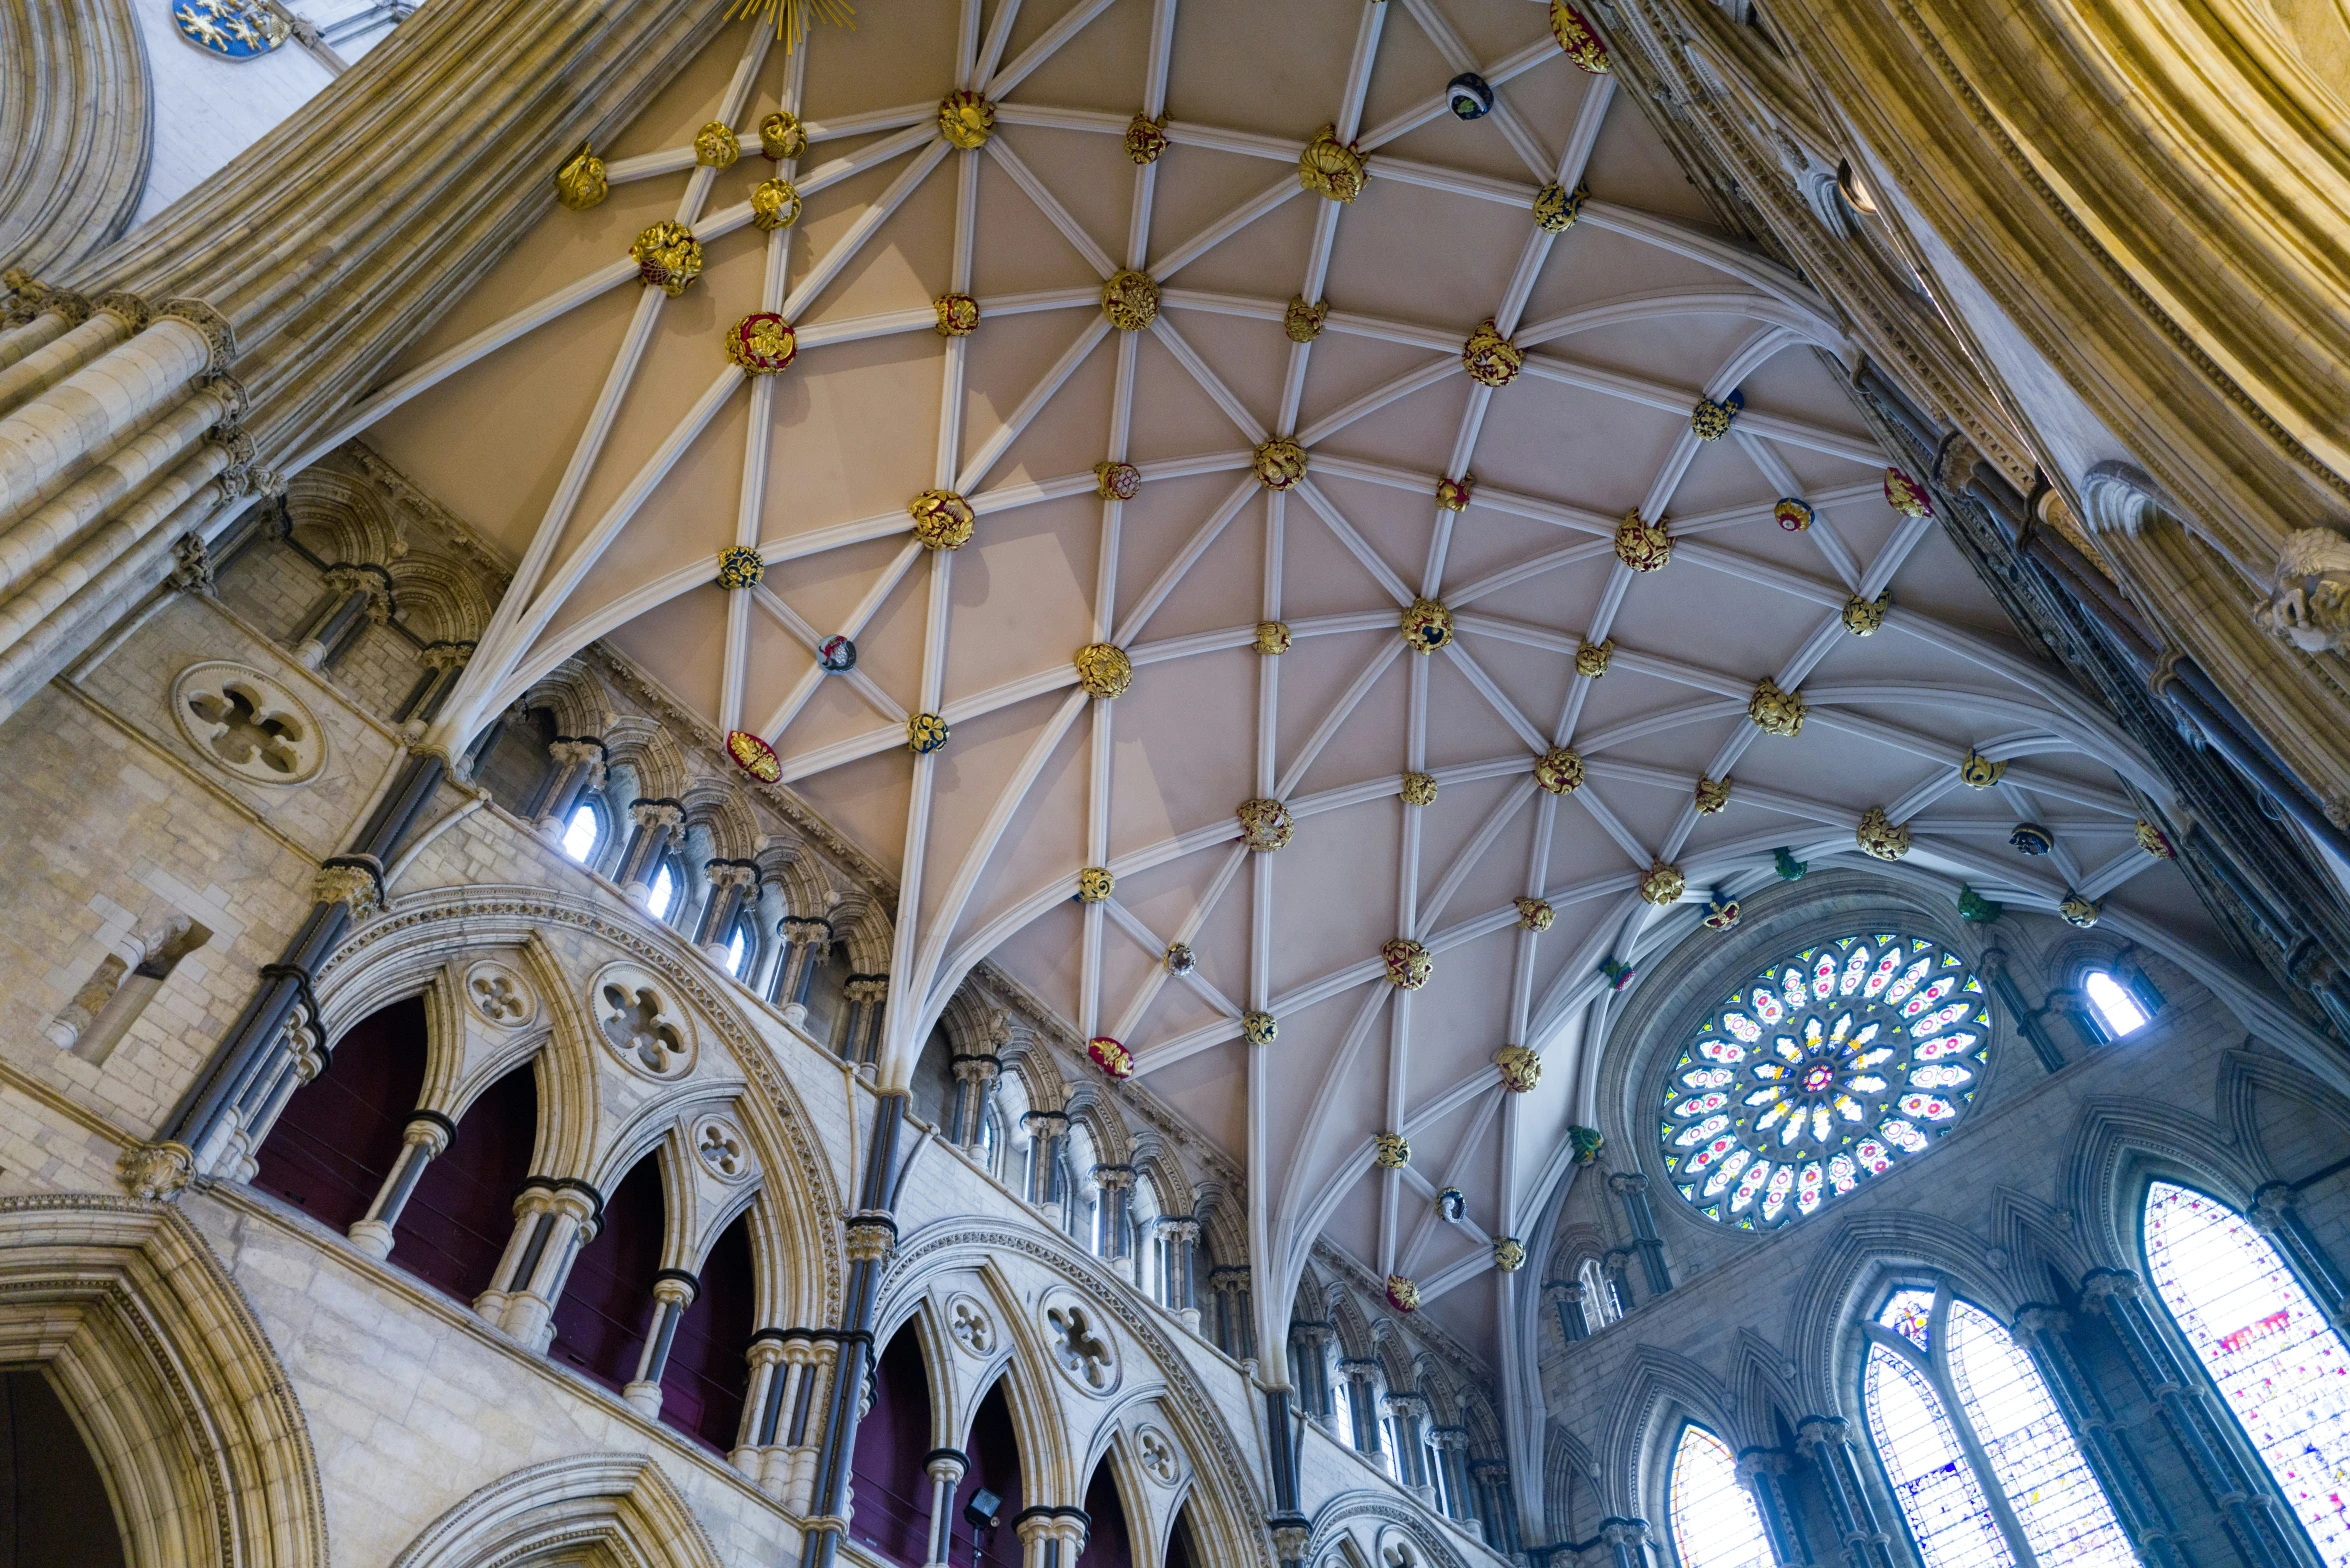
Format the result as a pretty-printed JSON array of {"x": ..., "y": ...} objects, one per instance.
[{"x": 1821, "y": 1071}]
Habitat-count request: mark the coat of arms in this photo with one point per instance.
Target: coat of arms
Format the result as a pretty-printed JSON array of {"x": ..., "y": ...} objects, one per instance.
[{"x": 232, "y": 29}]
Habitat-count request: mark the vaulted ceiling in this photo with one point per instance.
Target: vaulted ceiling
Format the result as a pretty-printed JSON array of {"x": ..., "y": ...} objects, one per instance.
[{"x": 595, "y": 426}]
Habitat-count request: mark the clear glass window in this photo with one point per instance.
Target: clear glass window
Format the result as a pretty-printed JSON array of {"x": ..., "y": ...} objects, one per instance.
[
  {"x": 661, "y": 897},
  {"x": 1600, "y": 1306},
  {"x": 2118, "y": 1010},
  {"x": 739, "y": 948},
  {"x": 2282, "y": 1369},
  {"x": 1715, "y": 1521},
  {"x": 583, "y": 832},
  {"x": 1979, "y": 1456}
]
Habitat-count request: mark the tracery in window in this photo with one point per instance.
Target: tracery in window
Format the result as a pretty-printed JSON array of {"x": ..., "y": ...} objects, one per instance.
[
  {"x": 1978, "y": 1454},
  {"x": 583, "y": 832},
  {"x": 2283, "y": 1372},
  {"x": 1821, "y": 1071},
  {"x": 661, "y": 897},
  {"x": 1715, "y": 1522},
  {"x": 2119, "y": 1011},
  {"x": 1600, "y": 1305}
]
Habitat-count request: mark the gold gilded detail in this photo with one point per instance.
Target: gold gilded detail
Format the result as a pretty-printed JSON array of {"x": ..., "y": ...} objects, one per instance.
[
  {"x": 966, "y": 120},
  {"x": 1534, "y": 914},
  {"x": 1094, "y": 884},
  {"x": 1427, "y": 626},
  {"x": 1863, "y": 616},
  {"x": 782, "y": 136},
  {"x": 1556, "y": 208},
  {"x": 1131, "y": 300},
  {"x": 1520, "y": 1068},
  {"x": 1593, "y": 658},
  {"x": 958, "y": 315},
  {"x": 1643, "y": 546},
  {"x": 1146, "y": 138},
  {"x": 1419, "y": 789},
  {"x": 1272, "y": 637},
  {"x": 1880, "y": 835},
  {"x": 1662, "y": 885},
  {"x": 943, "y": 520},
  {"x": 1775, "y": 712},
  {"x": 1303, "y": 322},
  {"x": 1279, "y": 463},
  {"x": 1332, "y": 168},
  {"x": 667, "y": 256},
  {"x": 1712, "y": 795},
  {"x": 1104, "y": 670},
  {"x": 1265, "y": 825},
  {"x": 581, "y": 184},
  {"x": 716, "y": 146},
  {"x": 1559, "y": 770},
  {"x": 1491, "y": 359},
  {"x": 775, "y": 204}
]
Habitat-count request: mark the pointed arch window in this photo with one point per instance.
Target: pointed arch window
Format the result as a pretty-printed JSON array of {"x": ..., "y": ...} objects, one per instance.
[
  {"x": 1600, "y": 1304},
  {"x": 661, "y": 897},
  {"x": 1715, "y": 1521},
  {"x": 2283, "y": 1372},
  {"x": 583, "y": 833},
  {"x": 1820, "y": 1072},
  {"x": 1987, "y": 1473}
]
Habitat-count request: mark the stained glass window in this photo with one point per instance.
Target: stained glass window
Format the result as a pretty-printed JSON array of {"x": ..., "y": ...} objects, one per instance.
[
  {"x": 1980, "y": 1457},
  {"x": 1820, "y": 1072},
  {"x": 1715, "y": 1522},
  {"x": 2282, "y": 1370}
]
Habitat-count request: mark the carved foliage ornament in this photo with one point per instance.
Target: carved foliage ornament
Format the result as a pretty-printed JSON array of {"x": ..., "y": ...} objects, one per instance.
[
  {"x": 1331, "y": 168},
  {"x": 1272, "y": 637},
  {"x": 782, "y": 136},
  {"x": 1592, "y": 658},
  {"x": 1977, "y": 771},
  {"x": 1301, "y": 322},
  {"x": 926, "y": 733},
  {"x": 1775, "y": 712},
  {"x": 1710, "y": 421},
  {"x": 1453, "y": 494},
  {"x": 958, "y": 315},
  {"x": 1279, "y": 463},
  {"x": 943, "y": 520},
  {"x": 1509, "y": 1254},
  {"x": 1146, "y": 138},
  {"x": 1427, "y": 626},
  {"x": 1662, "y": 885},
  {"x": 1534, "y": 914},
  {"x": 1419, "y": 789},
  {"x": 1520, "y": 1068},
  {"x": 966, "y": 120},
  {"x": 1577, "y": 39},
  {"x": 1104, "y": 670},
  {"x": 1880, "y": 835},
  {"x": 1862, "y": 617},
  {"x": 1259, "y": 1028},
  {"x": 716, "y": 146},
  {"x": 1408, "y": 963},
  {"x": 1643, "y": 546},
  {"x": 1390, "y": 1151},
  {"x": 1712, "y": 796},
  {"x": 1556, "y": 208},
  {"x": 1491, "y": 359},
  {"x": 1559, "y": 770},
  {"x": 1265, "y": 825},
  {"x": 740, "y": 566},
  {"x": 762, "y": 343},
  {"x": 775, "y": 204},
  {"x": 668, "y": 257},
  {"x": 581, "y": 183},
  {"x": 1130, "y": 299},
  {"x": 1094, "y": 884}
]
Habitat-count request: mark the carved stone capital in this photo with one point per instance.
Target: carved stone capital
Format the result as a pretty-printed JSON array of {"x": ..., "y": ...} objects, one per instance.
[
  {"x": 215, "y": 327},
  {"x": 158, "y": 1172},
  {"x": 134, "y": 311},
  {"x": 871, "y": 1237}
]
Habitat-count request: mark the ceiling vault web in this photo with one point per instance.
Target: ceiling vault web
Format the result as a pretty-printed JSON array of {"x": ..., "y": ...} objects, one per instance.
[{"x": 1516, "y": 880}]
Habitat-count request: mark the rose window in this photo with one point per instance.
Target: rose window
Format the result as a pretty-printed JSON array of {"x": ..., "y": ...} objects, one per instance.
[{"x": 1823, "y": 1070}]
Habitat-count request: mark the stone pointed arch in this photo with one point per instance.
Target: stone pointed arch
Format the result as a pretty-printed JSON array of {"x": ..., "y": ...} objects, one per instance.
[
  {"x": 186, "y": 1408},
  {"x": 1656, "y": 1392},
  {"x": 2119, "y": 1145},
  {"x": 1382, "y": 1514},
  {"x": 603, "y": 1510}
]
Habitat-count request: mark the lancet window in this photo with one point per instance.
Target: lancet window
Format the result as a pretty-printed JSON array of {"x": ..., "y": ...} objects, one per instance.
[{"x": 1715, "y": 1521}]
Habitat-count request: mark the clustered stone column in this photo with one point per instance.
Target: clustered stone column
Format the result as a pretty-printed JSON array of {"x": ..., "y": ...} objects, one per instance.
[
  {"x": 1829, "y": 1443},
  {"x": 806, "y": 939},
  {"x": 443, "y": 662},
  {"x": 1051, "y": 1537},
  {"x": 673, "y": 1291},
  {"x": 1362, "y": 1381},
  {"x": 1452, "y": 1455},
  {"x": 358, "y": 595},
  {"x": 1567, "y": 1297},
  {"x": 1236, "y": 1328},
  {"x": 2040, "y": 1330},
  {"x": 1407, "y": 1411},
  {"x": 1628, "y": 1540},
  {"x": 1763, "y": 1471},
  {"x": 427, "y": 1136},
  {"x": 945, "y": 1467},
  {"x": 1309, "y": 1339},
  {"x": 579, "y": 764},
  {"x": 294, "y": 1059},
  {"x": 655, "y": 823},
  {"x": 1631, "y": 1188},
  {"x": 1046, "y": 1130},
  {"x": 1117, "y": 1185},
  {"x": 554, "y": 1217},
  {"x": 731, "y": 882},
  {"x": 119, "y": 435},
  {"x": 975, "y": 1080},
  {"x": 1182, "y": 1235},
  {"x": 1497, "y": 1506},
  {"x": 2272, "y": 1214},
  {"x": 787, "y": 1367},
  {"x": 2247, "y": 1503},
  {"x": 868, "y": 999}
]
